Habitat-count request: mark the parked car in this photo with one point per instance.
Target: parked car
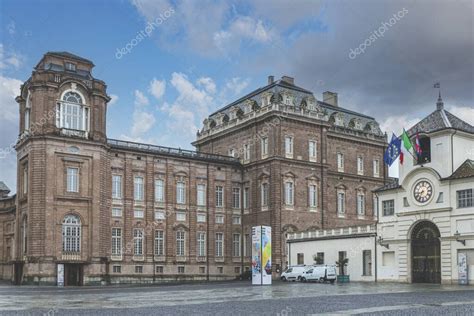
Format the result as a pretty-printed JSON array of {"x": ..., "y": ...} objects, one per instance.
[
  {"x": 293, "y": 273},
  {"x": 320, "y": 273}
]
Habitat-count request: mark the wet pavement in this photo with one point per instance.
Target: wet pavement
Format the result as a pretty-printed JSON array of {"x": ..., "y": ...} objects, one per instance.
[{"x": 240, "y": 298}]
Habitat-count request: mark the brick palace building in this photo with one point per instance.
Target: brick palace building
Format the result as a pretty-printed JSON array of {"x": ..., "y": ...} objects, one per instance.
[{"x": 114, "y": 211}]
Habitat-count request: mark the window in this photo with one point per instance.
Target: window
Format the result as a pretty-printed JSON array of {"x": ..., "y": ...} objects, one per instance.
[
  {"x": 300, "y": 258},
  {"x": 159, "y": 243},
  {"x": 202, "y": 270},
  {"x": 220, "y": 270},
  {"x": 289, "y": 193},
  {"x": 236, "y": 245},
  {"x": 375, "y": 204},
  {"x": 232, "y": 152},
  {"x": 71, "y": 112},
  {"x": 159, "y": 215},
  {"x": 264, "y": 194},
  {"x": 181, "y": 269},
  {"x": 264, "y": 147},
  {"x": 180, "y": 243},
  {"x": 180, "y": 216},
  {"x": 219, "y": 244},
  {"x": 159, "y": 269},
  {"x": 138, "y": 189},
  {"x": 116, "y": 241},
  {"x": 376, "y": 168},
  {"x": 236, "y": 197},
  {"x": 342, "y": 255},
  {"x": 287, "y": 100},
  {"x": 341, "y": 203},
  {"x": 340, "y": 162},
  {"x": 72, "y": 180},
  {"x": 201, "y": 195},
  {"x": 247, "y": 245},
  {"x": 246, "y": 198},
  {"x": 70, "y": 67},
  {"x": 312, "y": 148},
  {"x": 138, "y": 269},
  {"x": 464, "y": 198},
  {"x": 138, "y": 213},
  {"x": 246, "y": 152},
  {"x": 440, "y": 198},
  {"x": 25, "y": 179},
  {"x": 366, "y": 262},
  {"x": 405, "y": 202},
  {"x": 360, "y": 165},
  {"x": 159, "y": 190},
  {"x": 117, "y": 269},
  {"x": 236, "y": 220},
  {"x": 201, "y": 218},
  {"x": 71, "y": 233},
  {"x": 360, "y": 204},
  {"x": 201, "y": 244},
  {"x": 27, "y": 119},
  {"x": 219, "y": 219},
  {"x": 289, "y": 146},
  {"x": 425, "y": 145},
  {"x": 116, "y": 186},
  {"x": 321, "y": 256},
  {"x": 313, "y": 196},
  {"x": 24, "y": 235},
  {"x": 219, "y": 196},
  {"x": 237, "y": 270},
  {"x": 388, "y": 207},
  {"x": 138, "y": 242},
  {"x": 180, "y": 193}
]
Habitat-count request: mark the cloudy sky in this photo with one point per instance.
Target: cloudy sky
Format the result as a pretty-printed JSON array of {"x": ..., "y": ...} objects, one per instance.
[{"x": 169, "y": 63}]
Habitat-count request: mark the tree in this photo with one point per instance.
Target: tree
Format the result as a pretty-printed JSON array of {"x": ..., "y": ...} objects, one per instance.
[
  {"x": 318, "y": 259},
  {"x": 341, "y": 264}
]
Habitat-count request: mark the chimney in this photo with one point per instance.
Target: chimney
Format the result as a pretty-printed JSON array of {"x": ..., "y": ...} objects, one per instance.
[
  {"x": 330, "y": 98},
  {"x": 270, "y": 79},
  {"x": 289, "y": 80}
]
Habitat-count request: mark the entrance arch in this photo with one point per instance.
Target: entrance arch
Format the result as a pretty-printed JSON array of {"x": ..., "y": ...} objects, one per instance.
[{"x": 425, "y": 253}]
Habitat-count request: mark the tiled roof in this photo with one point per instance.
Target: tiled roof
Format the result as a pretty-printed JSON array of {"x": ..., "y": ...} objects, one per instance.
[
  {"x": 390, "y": 185},
  {"x": 465, "y": 170},
  {"x": 438, "y": 120}
]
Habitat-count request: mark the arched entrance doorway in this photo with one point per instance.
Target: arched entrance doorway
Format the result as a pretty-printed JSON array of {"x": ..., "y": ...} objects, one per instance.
[{"x": 425, "y": 253}]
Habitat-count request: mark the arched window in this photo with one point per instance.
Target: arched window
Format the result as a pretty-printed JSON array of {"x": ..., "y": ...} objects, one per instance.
[
  {"x": 72, "y": 113},
  {"x": 71, "y": 233}
]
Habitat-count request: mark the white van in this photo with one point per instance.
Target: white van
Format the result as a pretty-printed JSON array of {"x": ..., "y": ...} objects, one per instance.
[
  {"x": 320, "y": 274},
  {"x": 293, "y": 273}
]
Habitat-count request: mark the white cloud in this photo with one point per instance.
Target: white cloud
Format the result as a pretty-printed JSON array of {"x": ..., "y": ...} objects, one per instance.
[
  {"x": 189, "y": 95},
  {"x": 142, "y": 122},
  {"x": 9, "y": 59},
  {"x": 157, "y": 88},
  {"x": 113, "y": 99},
  {"x": 9, "y": 90},
  {"x": 207, "y": 83},
  {"x": 463, "y": 112},
  {"x": 140, "y": 99},
  {"x": 397, "y": 124},
  {"x": 236, "y": 85}
]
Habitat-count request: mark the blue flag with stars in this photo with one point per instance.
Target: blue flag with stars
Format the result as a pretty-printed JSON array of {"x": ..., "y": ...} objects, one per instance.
[{"x": 393, "y": 150}]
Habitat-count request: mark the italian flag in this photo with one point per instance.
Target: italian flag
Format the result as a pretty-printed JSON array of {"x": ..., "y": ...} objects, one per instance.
[{"x": 407, "y": 146}]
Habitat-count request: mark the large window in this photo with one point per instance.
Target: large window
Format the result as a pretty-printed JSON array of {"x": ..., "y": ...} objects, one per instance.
[
  {"x": 289, "y": 193},
  {"x": 159, "y": 190},
  {"x": 376, "y": 168},
  {"x": 464, "y": 198},
  {"x": 72, "y": 180},
  {"x": 341, "y": 203},
  {"x": 312, "y": 150},
  {"x": 236, "y": 197},
  {"x": 180, "y": 243},
  {"x": 264, "y": 147},
  {"x": 180, "y": 193},
  {"x": 219, "y": 244},
  {"x": 246, "y": 198},
  {"x": 201, "y": 194},
  {"x": 159, "y": 243},
  {"x": 264, "y": 194},
  {"x": 247, "y": 245},
  {"x": 340, "y": 162},
  {"x": 366, "y": 262},
  {"x": 289, "y": 146},
  {"x": 138, "y": 242},
  {"x": 360, "y": 203},
  {"x": 313, "y": 196},
  {"x": 360, "y": 165},
  {"x": 219, "y": 196},
  {"x": 236, "y": 245},
  {"x": 138, "y": 187},
  {"x": 201, "y": 244},
  {"x": 116, "y": 241},
  {"x": 116, "y": 186},
  {"x": 71, "y": 233},
  {"x": 246, "y": 152},
  {"x": 71, "y": 113},
  {"x": 388, "y": 207}
]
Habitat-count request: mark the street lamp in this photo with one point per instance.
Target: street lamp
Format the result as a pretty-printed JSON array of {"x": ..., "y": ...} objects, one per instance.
[
  {"x": 380, "y": 242},
  {"x": 462, "y": 241}
]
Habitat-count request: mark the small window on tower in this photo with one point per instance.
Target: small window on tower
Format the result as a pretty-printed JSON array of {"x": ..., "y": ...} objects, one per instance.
[{"x": 70, "y": 67}]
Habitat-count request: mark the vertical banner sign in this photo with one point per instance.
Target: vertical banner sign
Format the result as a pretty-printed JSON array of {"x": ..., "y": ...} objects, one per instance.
[
  {"x": 462, "y": 268},
  {"x": 60, "y": 276},
  {"x": 261, "y": 255}
]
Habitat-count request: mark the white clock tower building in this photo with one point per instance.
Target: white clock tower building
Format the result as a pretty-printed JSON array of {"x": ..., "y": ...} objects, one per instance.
[{"x": 426, "y": 218}]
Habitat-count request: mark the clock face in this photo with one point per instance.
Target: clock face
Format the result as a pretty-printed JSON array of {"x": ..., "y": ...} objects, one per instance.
[{"x": 423, "y": 191}]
